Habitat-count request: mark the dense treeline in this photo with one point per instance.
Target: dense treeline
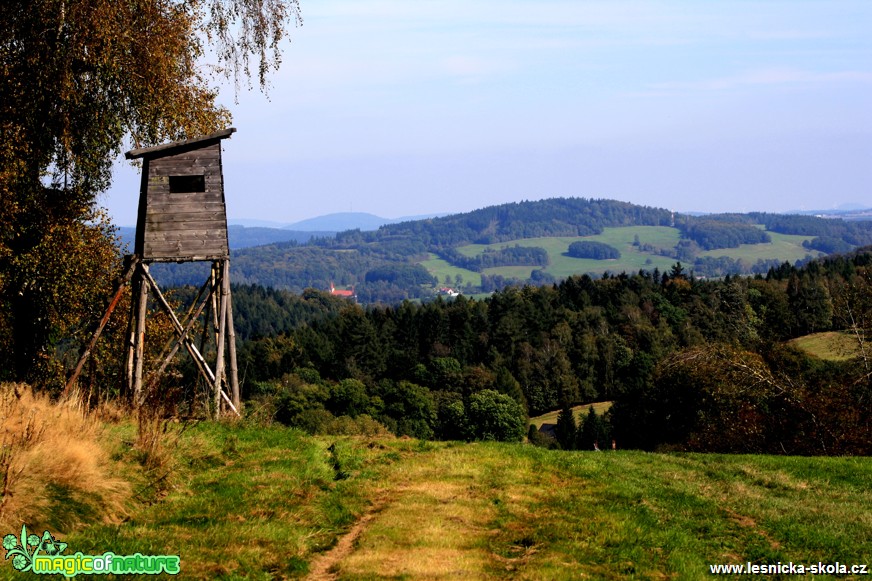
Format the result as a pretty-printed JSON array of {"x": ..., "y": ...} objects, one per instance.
[
  {"x": 507, "y": 256},
  {"x": 711, "y": 234},
  {"x": 267, "y": 312},
  {"x": 400, "y": 274},
  {"x": 377, "y": 275},
  {"x": 682, "y": 358},
  {"x": 827, "y": 245},
  {"x": 592, "y": 249},
  {"x": 716, "y": 266}
]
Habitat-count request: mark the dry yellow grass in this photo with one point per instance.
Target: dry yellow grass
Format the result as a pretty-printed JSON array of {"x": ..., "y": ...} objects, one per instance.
[{"x": 55, "y": 474}]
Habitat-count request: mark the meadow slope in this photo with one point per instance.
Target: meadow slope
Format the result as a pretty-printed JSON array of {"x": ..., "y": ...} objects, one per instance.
[{"x": 267, "y": 503}]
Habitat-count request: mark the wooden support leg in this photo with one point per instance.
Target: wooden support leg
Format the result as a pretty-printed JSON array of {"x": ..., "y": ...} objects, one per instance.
[
  {"x": 119, "y": 290},
  {"x": 139, "y": 342},
  {"x": 130, "y": 338},
  {"x": 222, "y": 330},
  {"x": 216, "y": 284},
  {"x": 231, "y": 342}
]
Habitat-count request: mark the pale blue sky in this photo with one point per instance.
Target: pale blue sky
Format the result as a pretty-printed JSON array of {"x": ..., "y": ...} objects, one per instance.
[{"x": 406, "y": 107}]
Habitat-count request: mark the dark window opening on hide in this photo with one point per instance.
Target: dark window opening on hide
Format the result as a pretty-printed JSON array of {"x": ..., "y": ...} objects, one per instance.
[{"x": 185, "y": 184}]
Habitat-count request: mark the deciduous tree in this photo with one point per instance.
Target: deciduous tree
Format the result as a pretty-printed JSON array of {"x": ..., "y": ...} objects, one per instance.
[{"x": 78, "y": 78}]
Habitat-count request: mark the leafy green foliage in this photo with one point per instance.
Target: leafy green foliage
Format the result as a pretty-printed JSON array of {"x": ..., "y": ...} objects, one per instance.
[
  {"x": 593, "y": 433},
  {"x": 719, "y": 398},
  {"x": 506, "y": 256},
  {"x": 828, "y": 245},
  {"x": 721, "y": 232},
  {"x": 594, "y": 250},
  {"x": 55, "y": 280},
  {"x": 403, "y": 275},
  {"x": 495, "y": 416}
]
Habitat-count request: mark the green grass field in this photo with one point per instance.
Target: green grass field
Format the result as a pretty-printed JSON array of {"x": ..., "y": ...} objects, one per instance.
[
  {"x": 579, "y": 411},
  {"x": 440, "y": 269},
  {"x": 783, "y": 248},
  {"x": 267, "y": 503},
  {"x": 830, "y": 345},
  {"x": 562, "y": 266}
]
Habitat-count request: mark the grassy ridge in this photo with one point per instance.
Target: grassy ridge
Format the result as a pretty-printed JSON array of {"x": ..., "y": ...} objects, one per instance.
[{"x": 261, "y": 503}]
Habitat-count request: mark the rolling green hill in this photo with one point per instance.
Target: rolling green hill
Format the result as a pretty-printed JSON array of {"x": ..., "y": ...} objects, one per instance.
[{"x": 528, "y": 242}]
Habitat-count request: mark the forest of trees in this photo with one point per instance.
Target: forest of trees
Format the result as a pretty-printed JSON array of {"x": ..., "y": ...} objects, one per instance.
[
  {"x": 855, "y": 234},
  {"x": 507, "y": 256},
  {"x": 690, "y": 364},
  {"x": 711, "y": 234},
  {"x": 593, "y": 250},
  {"x": 551, "y": 217}
]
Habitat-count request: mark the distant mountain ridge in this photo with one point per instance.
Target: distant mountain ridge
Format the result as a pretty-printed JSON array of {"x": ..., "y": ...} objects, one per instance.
[
  {"x": 342, "y": 221},
  {"x": 244, "y": 233},
  {"x": 244, "y": 236}
]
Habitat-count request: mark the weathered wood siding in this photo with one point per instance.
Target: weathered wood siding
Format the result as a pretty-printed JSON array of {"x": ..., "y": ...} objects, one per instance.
[{"x": 183, "y": 226}]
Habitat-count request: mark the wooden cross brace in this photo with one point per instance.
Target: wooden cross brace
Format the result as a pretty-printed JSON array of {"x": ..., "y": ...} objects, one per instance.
[{"x": 225, "y": 331}]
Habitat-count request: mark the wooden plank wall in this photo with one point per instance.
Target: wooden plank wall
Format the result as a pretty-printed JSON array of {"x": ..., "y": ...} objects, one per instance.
[{"x": 187, "y": 225}]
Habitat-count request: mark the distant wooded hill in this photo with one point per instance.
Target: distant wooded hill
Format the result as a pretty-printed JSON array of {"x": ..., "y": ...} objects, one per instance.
[
  {"x": 526, "y": 242},
  {"x": 244, "y": 236}
]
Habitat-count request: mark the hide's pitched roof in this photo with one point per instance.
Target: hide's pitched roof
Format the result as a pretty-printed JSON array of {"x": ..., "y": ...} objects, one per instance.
[{"x": 168, "y": 148}]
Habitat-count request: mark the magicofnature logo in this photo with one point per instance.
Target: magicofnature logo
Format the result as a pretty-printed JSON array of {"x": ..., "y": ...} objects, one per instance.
[{"x": 44, "y": 555}]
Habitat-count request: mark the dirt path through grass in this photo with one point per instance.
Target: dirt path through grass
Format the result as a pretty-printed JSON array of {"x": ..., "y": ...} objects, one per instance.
[
  {"x": 439, "y": 518},
  {"x": 323, "y": 568}
]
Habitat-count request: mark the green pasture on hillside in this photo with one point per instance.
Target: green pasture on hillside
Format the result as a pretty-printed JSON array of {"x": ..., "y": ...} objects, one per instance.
[
  {"x": 562, "y": 266},
  {"x": 266, "y": 502},
  {"x": 783, "y": 247},
  {"x": 440, "y": 269}
]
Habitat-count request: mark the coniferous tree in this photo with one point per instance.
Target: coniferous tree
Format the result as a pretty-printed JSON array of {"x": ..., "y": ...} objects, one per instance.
[
  {"x": 566, "y": 428},
  {"x": 593, "y": 432}
]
